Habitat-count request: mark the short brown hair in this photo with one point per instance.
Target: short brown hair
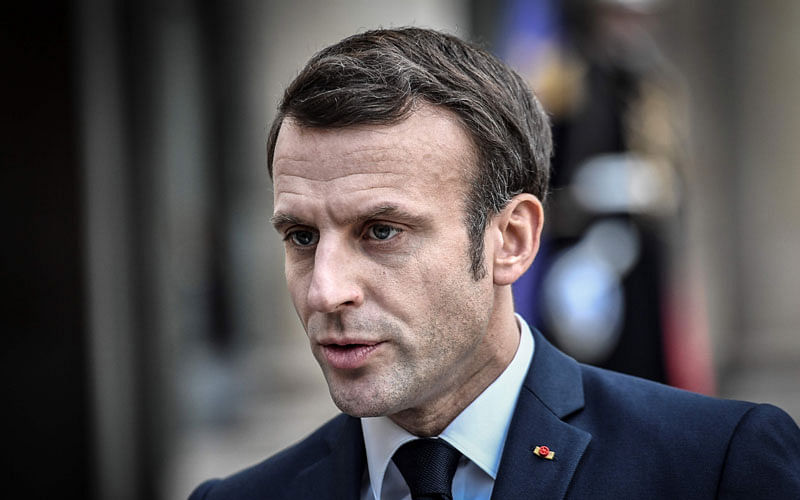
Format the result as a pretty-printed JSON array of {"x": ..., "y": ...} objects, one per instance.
[{"x": 377, "y": 77}]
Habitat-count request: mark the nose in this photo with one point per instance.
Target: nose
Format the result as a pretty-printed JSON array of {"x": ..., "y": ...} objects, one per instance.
[{"x": 334, "y": 284}]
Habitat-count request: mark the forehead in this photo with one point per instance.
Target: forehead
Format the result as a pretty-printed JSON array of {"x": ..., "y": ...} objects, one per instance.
[{"x": 429, "y": 149}]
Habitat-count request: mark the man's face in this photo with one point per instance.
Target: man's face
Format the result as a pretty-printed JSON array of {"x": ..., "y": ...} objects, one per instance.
[{"x": 377, "y": 259}]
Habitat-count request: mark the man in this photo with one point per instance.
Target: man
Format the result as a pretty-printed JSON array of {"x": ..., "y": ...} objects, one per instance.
[{"x": 408, "y": 170}]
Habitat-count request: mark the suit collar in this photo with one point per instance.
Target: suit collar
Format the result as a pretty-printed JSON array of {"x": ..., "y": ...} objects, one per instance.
[
  {"x": 554, "y": 378},
  {"x": 552, "y": 391}
]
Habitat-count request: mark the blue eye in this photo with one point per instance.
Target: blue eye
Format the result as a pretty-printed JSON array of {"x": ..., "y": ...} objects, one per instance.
[
  {"x": 382, "y": 232},
  {"x": 303, "y": 238}
]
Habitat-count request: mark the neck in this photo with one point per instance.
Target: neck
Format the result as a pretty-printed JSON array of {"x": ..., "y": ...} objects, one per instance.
[{"x": 498, "y": 347}]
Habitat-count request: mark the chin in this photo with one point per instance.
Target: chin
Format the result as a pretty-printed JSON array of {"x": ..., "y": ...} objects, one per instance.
[
  {"x": 358, "y": 407},
  {"x": 363, "y": 404}
]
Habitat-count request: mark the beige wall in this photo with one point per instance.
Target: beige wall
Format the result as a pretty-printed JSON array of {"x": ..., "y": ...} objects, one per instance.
[{"x": 742, "y": 65}]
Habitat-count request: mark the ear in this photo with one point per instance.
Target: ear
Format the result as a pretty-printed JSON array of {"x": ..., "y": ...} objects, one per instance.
[{"x": 516, "y": 233}]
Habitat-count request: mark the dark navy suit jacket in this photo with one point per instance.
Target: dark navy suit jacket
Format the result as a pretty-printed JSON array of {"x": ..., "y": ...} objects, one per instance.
[{"x": 613, "y": 436}]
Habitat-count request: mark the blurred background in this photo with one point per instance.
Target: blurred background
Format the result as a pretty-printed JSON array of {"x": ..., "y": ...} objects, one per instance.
[{"x": 152, "y": 343}]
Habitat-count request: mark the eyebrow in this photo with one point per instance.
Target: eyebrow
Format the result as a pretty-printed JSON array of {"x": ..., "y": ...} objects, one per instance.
[
  {"x": 386, "y": 211},
  {"x": 280, "y": 219}
]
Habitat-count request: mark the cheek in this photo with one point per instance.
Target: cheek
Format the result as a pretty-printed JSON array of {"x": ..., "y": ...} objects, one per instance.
[
  {"x": 431, "y": 281},
  {"x": 297, "y": 284},
  {"x": 446, "y": 264}
]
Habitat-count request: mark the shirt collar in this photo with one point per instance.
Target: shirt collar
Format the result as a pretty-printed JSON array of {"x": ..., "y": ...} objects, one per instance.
[{"x": 479, "y": 432}]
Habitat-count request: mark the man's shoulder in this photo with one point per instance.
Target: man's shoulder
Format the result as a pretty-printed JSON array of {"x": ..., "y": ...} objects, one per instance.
[
  {"x": 280, "y": 469},
  {"x": 715, "y": 445},
  {"x": 586, "y": 395},
  {"x": 637, "y": 402}
]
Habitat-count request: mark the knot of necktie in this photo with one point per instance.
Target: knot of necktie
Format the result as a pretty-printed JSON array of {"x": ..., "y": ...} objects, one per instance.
[{"x": 428, "y": 466}]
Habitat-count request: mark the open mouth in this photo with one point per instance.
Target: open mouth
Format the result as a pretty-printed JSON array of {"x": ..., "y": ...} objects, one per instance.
[
  {"x": 344, "y": 347},
  {"x": 349, "y": 356}
]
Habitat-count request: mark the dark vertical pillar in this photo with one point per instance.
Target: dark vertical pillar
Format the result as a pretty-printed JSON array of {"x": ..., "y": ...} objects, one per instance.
[{"x": 45, "y": 402}]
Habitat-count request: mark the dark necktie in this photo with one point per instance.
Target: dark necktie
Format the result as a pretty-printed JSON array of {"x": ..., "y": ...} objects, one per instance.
[{"x": 428, "y": 466}]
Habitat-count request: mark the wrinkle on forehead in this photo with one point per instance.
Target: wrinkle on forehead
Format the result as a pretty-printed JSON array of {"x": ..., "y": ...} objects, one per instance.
[
  {"x": 365, "y": 152},
  {"x": 344, "y": 205},
  {"x": 430, "y": 134},
  {"x": 351, "y": 191},
  {"x": 343, "y": 187},
  {"x": 289, "y": 177}
]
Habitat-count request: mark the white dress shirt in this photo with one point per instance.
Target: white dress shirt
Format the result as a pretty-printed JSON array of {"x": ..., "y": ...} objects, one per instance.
[{"x": 479, "y": 433}]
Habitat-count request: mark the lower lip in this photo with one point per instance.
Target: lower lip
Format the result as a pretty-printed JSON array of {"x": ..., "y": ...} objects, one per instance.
[{"x": 348, "y": 357}]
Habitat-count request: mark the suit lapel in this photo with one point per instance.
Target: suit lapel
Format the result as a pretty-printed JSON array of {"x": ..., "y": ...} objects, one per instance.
[
  {"x": 339, "y": 474},
  {"x": 552, "y": 390}
]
